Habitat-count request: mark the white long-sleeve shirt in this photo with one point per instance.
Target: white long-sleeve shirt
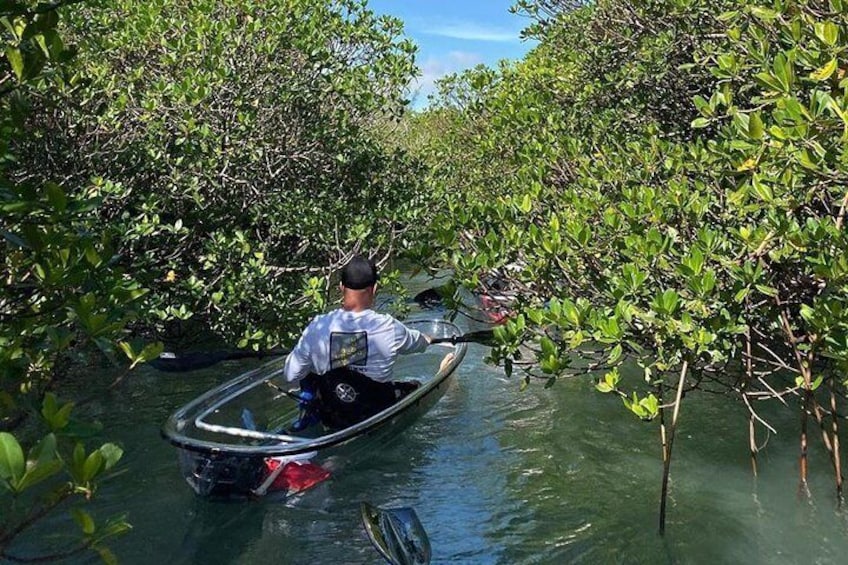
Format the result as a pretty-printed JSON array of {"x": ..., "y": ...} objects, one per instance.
[{"x": 365, "y": 341}]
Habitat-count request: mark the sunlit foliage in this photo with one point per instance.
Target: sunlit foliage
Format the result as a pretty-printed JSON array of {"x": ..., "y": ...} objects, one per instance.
[
  {"x": 661, "y": 183},
  {"x": 164, "y": 163}
]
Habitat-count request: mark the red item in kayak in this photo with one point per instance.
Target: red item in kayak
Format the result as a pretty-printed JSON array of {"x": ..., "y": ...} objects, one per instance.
[
  {"x": 496, "y": 313},
  {"x": 296, "y": 476}
]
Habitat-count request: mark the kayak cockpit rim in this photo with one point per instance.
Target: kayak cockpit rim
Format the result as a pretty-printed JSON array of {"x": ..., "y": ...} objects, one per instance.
[{"x": 285, "y": 444}]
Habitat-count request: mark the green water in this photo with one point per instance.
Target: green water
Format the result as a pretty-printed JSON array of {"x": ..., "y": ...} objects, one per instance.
[{"x": 496, "y": 475}]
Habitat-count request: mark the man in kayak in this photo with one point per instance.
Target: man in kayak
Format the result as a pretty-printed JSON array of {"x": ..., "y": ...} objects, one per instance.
[{"x": 346, "y": 356}]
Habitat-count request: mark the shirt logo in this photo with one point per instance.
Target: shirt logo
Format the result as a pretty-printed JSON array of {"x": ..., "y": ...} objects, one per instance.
[
  {"x": 345, "y": 392},
  {"x": 348, "y": 348}
]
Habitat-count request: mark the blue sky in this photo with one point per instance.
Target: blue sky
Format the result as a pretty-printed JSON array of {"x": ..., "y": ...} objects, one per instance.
[{"x": 453, "y": 35}]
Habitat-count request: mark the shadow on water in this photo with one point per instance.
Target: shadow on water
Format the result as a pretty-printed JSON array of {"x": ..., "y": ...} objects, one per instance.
[{"x": 210, "y": 522}]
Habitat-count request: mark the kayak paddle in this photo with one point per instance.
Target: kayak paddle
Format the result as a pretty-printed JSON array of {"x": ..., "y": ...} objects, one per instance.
[
  {"x": 173, "y": 363},
  {"x": 485, "y": 337}
]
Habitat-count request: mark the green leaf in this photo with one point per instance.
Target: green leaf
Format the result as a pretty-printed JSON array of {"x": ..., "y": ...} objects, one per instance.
[
  {"x": 666, "y": 303},
  {"x": 148, "y": 352},
  {"x": 828, "y": 32},
  {"x": 549, "y": 364},
  {"x": 63, "y": 416},
  {"x": 127, "y": 348},
  {"x": 612, "y": 377},
  {"x": 111, "y": 455},
  {"x": 12, "y": 464},
  {"x": 795, "y": 110},
  {"x": 92, "y": 466},
  {"x": 755, "y": 126},
  {"x": 42, "y": 43},
  {"x": 549, "y": 348},
  {"x": 56, "y": 417},
  {"x": 783, "y": 71},
  {"x": 764, "y": 14},
  {"x": 152, "y": 351},
  {"x": 107, "y": 556},
  {"x": 77, "y": 463},
  {"x": 615, "y": 354},
  {"x": 44, "y": 450},
  {"x": 768, "y": 81},
  {"x": 526, "y": 204},
  {"x": 39, "y": 472},
  {"x": 767, "y": 290},
  {"x": 16, "y": 61},
  {"x": 84, "y": 519},
  {"x": 603, "y": 387},
  {"x": 762, "y": 189},
  {"x": 536, "y": 316},
  {"x": 49, "y": 406},
  {"x": 571, "y": 313},
  {"x": 824, "y": 72},
  {"x": 634, "y": 406},
  {"x": 576, "y": 340},
  {"x": 92, "y": 256},
  {"x": 651, "y": 405},
  {"x": 115, "y": 527},
  {"x": 806, "y": 160}
]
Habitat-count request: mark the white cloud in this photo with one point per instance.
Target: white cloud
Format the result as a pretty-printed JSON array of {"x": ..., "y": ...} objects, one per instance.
[
  {"x": 435, "y": 68},
  {"x": 474, "y": 32}
]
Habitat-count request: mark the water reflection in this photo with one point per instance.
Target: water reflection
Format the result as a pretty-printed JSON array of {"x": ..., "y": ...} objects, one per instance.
[{"x": 240, "y": 523}]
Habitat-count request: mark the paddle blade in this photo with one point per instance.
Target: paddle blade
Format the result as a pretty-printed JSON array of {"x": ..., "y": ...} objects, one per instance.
[
  {"x": 190, "y": 362},
  {"x": 397, "y": 534}
]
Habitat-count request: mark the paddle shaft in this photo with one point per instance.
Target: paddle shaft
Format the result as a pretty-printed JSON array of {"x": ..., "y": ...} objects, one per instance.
[
  {"x": 280, "y": 389},
  {"x": 482, "y": 336},
  {"x": 202, "y": 359}
]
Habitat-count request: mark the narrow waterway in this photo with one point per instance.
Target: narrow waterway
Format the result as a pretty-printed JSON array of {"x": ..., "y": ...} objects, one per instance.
[{"x": 560, "y": 475}]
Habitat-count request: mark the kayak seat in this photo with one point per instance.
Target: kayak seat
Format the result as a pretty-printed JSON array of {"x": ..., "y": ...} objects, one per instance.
[{"x": 344, "y": 397}]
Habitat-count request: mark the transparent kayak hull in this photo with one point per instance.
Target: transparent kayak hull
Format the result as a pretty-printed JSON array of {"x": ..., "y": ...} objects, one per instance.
[{"x": 226, "y": 437}]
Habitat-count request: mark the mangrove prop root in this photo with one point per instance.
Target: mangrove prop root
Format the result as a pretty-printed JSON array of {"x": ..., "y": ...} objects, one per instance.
[
  {"x": 669, "y": 444},
  {"x": 837, "y": 461},
  {"x": 752, "y": 440}
]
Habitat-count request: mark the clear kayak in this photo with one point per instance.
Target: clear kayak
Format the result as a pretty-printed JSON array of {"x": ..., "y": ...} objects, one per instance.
[{"x": 239, "y": 438}]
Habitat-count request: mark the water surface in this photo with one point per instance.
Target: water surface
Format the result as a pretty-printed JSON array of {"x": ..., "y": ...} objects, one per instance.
[{"x": 560, "y": 475}]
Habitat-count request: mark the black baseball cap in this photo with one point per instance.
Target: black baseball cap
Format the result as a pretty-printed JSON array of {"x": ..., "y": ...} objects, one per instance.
[{"x": 359, "y": 273}]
